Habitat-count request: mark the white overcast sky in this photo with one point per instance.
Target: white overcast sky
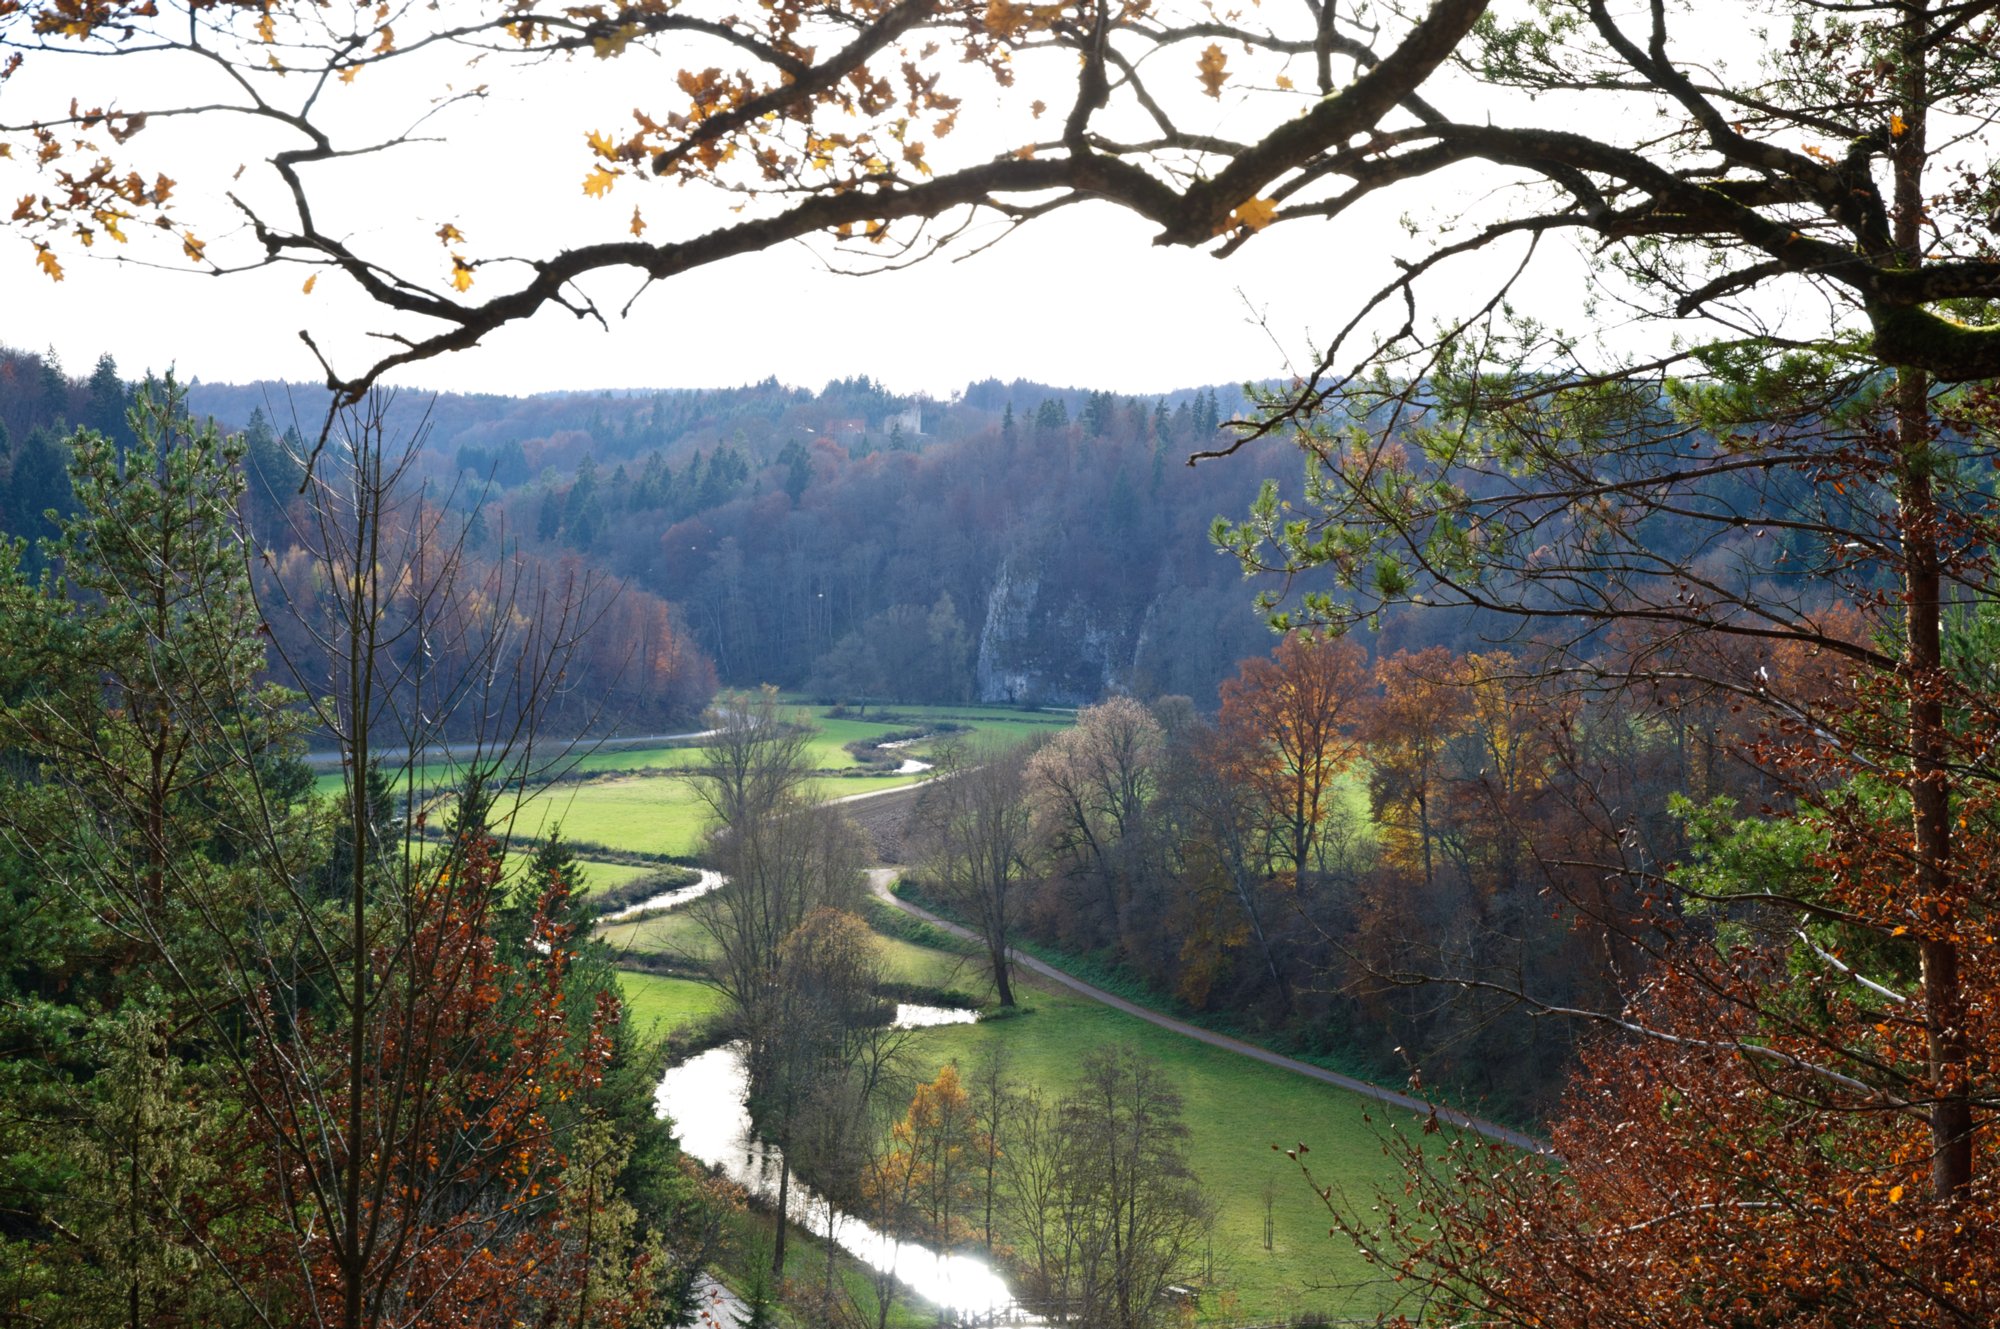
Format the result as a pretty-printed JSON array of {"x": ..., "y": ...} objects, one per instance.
[{"x": 1079, "y": 298}]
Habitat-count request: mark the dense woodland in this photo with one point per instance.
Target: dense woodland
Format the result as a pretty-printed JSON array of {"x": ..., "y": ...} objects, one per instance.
[
  {"x": 864, "y": 545},
  {"x": 274, "y": 1057}
]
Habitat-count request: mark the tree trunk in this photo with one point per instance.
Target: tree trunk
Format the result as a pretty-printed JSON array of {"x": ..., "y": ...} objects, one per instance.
[
  {"x": 784, "y": 1203},
  {"x": 1923, "y": 669},
  {"x": 1002, "y": 977}
]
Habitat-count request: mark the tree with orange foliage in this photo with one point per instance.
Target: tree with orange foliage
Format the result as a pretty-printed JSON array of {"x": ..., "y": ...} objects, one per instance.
[
  {"x": 456, "y": 1204},
  {"x": 1416, "y": 712},
  {"x": 925, "y": 1184},
  {"x": 1288, "y": 728}
]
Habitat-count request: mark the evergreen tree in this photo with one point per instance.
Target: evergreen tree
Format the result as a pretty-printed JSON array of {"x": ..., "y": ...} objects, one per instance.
[
  {"x": 105, "y": 406},
  {"x": 798, "y": 469},
  {"x": 548, "y": 521}
]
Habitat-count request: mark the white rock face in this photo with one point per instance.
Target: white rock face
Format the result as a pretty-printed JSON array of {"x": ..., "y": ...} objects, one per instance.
[{"x": 1045, "y": 644}]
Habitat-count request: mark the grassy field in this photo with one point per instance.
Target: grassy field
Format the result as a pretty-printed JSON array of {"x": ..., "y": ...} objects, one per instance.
[
  {"x": 828, "y": 747},
  {"x": 634, "y": 801},
  {"x": 601, "y": 876},
  {"x": 1236, "y": 1110},
  {"x": 659, "y": 1006},
  {"x": 674, "y": 935}
]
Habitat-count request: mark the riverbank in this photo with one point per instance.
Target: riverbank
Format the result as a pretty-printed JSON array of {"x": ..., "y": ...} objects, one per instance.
[{"x": 1236, "y": 1110}]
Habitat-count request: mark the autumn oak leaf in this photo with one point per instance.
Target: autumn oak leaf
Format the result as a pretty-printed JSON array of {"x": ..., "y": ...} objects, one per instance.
[
  {"x": 598, "y": 183},
  {"x": 311, "y": 282},
  {"x": 602, "y": 145},
  {"x": 638, "y": 223},
  {"x": 1213, "y": 66},
  {"x": 1255, "y": 214},
  {"x": 461, "y": 274},
  {"x": 604, "y": 48},
  {"x": 449, "y": 235},
  {"x": 46, "y": 257}
]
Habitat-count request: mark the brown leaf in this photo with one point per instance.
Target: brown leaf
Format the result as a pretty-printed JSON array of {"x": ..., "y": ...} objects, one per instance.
[{"x": 1212, "y": 66}]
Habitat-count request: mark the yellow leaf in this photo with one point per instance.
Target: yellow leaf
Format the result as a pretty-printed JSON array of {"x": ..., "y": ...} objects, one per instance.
[
  {"x": 1284, "y": 84},
  {"x": 1212, "y": 65},
  {"x": 606, "y": 47},
  {"x": 1896, "y": 126},
  {"x": 1895, "y": 1194},
  {"x": 267, "y": 31},
  {"x": 602, "y": 145},
  {"x": 47, "y": 258},
  {"x": 598, "y": 183},
  {"x": 450, "y": 235},
  {"x": 272, "y": 61},
  {"x": 1255, "y": 213},
  {"x": 638, "y": 222},
  {"x": 461, "y": 274},
  {"x": 311, "y": 281}
]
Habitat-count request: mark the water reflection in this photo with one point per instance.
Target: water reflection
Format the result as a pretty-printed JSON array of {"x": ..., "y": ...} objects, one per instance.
[
  {"x": 673, "y": 899},
  {"x": 704, "y": 1096},
  {"x": 910, "y": 1015}
]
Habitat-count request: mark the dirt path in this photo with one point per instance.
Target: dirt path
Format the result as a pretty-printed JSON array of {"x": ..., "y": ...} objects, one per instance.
[{"x": 881, "y": 879}]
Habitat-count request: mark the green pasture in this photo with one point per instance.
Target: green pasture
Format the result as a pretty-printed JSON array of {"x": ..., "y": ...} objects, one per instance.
[
  {"x": 599, "y": 875},
  {"x": 639, "y": 814},
  {"x": 677, "y": 936},
  {"x": 660, "y": 1006},
  {"x": 1236, "y": 1109}
]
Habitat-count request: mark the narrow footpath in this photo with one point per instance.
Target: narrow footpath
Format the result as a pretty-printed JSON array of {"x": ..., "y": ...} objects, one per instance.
[{"x": 881, "y": 879}]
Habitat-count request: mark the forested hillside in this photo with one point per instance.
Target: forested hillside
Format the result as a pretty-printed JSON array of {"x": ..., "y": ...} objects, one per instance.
[
  {"x": 631, "y": 661},
  {"x": 1018, "y": 543}
]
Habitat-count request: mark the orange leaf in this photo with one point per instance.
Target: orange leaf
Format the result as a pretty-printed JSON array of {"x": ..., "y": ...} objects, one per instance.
[
  {"x": 47, "y": 258},
  {"x": 1212, "y": 65},
  {"x": 1255, "y": 213},
  {"x": 311, "y": 281},
  {"x": 638, "y": 222}
]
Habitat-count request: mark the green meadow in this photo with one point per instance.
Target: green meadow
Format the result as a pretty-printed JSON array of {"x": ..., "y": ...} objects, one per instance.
[
  {"x": 637, "y": 801},
  {"x": 1236, "y": 1110}
]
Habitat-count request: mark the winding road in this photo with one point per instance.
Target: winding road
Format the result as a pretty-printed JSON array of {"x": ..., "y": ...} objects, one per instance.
[{"x": 881, "y": 879}]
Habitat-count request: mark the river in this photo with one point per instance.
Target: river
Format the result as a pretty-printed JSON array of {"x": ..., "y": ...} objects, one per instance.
[
  {"x": 672, "y": 899},
  {"x": 704, "y": 1096}
]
